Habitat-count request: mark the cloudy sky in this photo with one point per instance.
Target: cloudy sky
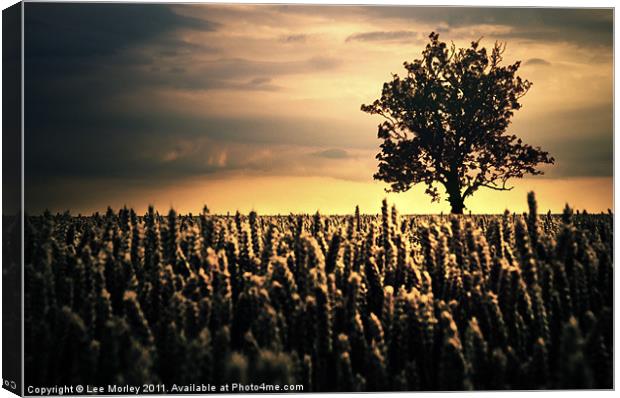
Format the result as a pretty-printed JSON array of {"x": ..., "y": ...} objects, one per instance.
[{"x": 258, "y": 107}]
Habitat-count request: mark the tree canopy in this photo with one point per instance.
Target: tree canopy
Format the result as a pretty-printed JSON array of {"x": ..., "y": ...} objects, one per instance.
[{"x": 446, "y": 124}]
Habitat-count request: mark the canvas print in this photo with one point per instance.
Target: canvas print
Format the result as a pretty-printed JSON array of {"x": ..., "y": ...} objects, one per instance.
[{"x": 225, "y": 198}]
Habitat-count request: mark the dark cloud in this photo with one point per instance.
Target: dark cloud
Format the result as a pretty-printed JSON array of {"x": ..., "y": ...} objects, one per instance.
[
  {"x": 537, "y": 61},
  {"x": 394, "y": 36},
  {"x": 580, "y": 26},
  {"x": 298, "y": 38},
  {"x": 160, "y": 144},
  {"x": 260, "y": 83},
  {"x": 580, "y": 140},
  {"x": 82, "y": 59},
  {"x": 230, "y": 68},
  {"x": 175, "y": 47},
  {"x": 85, "y": 30},
  {"x": 583, "y": 27},
  {"x": 399, "y": 36},
  {"x": 573, "y": 160},
  {"x": 73, "y": 126},
  {"x": 332, "y": 154},
  {"x": 156, "y": 158}
]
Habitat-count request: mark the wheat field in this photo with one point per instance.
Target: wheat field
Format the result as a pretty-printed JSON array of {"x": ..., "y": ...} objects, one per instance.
[{"x": 334, "y": 303}]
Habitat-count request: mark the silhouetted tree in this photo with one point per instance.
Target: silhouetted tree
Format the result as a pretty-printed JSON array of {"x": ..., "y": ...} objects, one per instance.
[{"x": 446, "y": 124}]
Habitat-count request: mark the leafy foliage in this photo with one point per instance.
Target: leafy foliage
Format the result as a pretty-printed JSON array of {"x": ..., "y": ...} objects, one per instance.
[{"x": 447, "y": 120}]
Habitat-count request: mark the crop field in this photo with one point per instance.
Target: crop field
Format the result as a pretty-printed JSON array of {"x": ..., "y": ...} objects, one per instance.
[{"x": 332, "y": 303}]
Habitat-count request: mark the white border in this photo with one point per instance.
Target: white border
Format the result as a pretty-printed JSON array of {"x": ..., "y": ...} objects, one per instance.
[{"x": 480, "y": 3}]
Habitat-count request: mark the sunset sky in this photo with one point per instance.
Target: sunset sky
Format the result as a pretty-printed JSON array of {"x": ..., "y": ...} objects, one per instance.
[{"x": 258, "y": 107}]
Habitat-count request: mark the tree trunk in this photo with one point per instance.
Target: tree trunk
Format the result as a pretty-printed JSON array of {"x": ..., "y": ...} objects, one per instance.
[{"x": 457, "y": 203}]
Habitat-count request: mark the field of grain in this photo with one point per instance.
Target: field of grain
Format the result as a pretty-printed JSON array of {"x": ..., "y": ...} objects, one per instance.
[{"x": 334, "y": 303}]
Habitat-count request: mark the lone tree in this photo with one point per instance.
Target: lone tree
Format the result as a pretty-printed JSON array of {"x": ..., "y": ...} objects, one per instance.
[{"x": 446, "y": 124}]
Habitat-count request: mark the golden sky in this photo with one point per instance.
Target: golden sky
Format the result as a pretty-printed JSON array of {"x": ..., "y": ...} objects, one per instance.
[{"x": 258, "y": 107}]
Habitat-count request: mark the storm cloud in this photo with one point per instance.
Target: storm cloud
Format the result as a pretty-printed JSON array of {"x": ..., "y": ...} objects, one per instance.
[
  {"x": 580, "y": 26},
  {"x": 154, "y": 93}
]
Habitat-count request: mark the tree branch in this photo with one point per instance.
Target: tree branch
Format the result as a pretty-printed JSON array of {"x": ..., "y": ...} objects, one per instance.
[{"x": 495, "y": 187}]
